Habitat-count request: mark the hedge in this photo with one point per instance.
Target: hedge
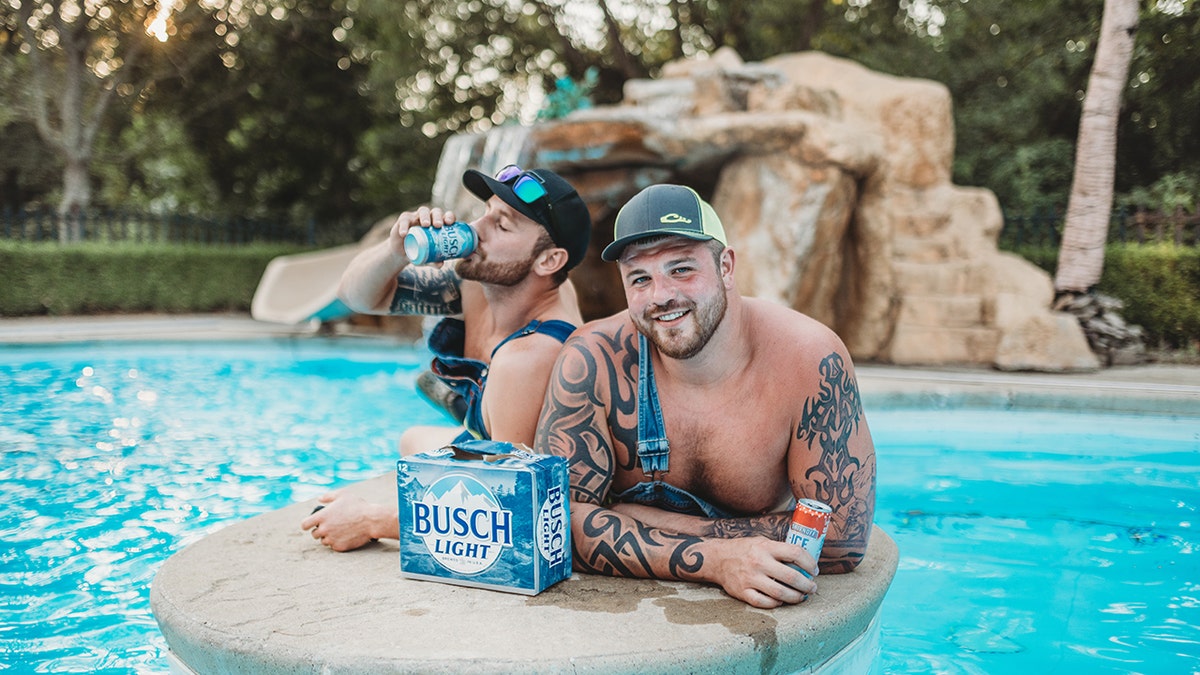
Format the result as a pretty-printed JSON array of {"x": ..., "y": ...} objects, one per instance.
[
  {"x": 1159, "y": 284},
  {"x": 87, "y": 278}
]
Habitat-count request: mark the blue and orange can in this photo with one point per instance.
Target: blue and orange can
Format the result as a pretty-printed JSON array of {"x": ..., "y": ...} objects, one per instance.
[{"x": 810, "y": 522}]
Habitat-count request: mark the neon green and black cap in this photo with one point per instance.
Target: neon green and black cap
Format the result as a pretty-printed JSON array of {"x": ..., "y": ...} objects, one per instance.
[{"x": 664, "y": 209}]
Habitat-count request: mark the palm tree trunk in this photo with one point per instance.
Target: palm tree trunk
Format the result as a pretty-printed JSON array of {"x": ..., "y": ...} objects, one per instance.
[{"x": 1085, "y": 232}]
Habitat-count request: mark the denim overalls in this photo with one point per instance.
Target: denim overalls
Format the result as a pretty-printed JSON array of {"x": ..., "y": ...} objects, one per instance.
[
  {"x": 654, "y": 453},
  {"x": 467, "y": 377}
]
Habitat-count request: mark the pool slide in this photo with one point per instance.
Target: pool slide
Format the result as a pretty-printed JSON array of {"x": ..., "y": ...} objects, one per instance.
[{"x": 302, "y": 288}]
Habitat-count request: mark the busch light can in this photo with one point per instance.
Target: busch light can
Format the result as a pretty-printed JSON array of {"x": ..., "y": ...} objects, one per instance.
[
  {"x": 810, "y": 522},
  {"x": 436, "y": 244}
]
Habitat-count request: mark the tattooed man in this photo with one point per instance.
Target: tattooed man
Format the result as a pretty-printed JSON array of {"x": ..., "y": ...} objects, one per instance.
[
  {"x": 516, "y": 308},
  {"x": 693, "y": 420}
]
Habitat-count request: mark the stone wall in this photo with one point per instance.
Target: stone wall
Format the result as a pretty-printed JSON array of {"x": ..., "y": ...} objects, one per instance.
[{"x": 834, "y": 185}]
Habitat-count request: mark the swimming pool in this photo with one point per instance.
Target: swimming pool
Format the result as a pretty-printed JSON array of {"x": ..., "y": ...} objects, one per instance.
[
  {"x": 1029, "y": 541},
  {"x": 1040, "y": 542}
]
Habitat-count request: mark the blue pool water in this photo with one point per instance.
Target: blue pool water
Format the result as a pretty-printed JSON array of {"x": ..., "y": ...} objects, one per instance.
[
  {"x": 1040, "y": 542},
  {"x": 1030, "y": 541}
]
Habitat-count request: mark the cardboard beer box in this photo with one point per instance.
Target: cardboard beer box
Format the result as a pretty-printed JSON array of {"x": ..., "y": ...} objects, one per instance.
[{"x": 485, "y": 514}]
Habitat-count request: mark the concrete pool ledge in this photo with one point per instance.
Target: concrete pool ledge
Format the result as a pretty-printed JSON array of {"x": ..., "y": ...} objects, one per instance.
[
  {"x": 1154, "y": 389},
  {"x": 262, "y": 596}
]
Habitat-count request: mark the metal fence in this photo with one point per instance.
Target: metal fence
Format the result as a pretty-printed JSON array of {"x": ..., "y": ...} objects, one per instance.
[
  {"x": 114, "y": 225},
  {"x": 1043, "y": 227}
]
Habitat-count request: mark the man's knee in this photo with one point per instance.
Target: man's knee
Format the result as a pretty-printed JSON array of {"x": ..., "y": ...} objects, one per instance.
[{"x": 425, "y": 438}]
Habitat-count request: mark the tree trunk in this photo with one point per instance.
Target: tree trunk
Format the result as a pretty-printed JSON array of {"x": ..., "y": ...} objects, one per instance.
[
  {"x": 69, "y": 97},
  {"x": 1085, "y": 232},
  {"x": 77, "y": 196}
]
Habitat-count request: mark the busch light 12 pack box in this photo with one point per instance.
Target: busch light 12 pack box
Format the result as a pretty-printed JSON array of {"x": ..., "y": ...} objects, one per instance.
[{"x": 485, "y": 514}]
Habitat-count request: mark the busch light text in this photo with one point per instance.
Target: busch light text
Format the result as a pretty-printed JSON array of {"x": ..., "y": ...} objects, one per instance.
[
  {"x": 462, "y": 532},
  {"x": 552, "y": 527}
]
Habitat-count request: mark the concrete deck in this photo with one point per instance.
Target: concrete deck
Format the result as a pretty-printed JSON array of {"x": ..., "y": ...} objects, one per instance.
[{"x": 261, "y": 596}]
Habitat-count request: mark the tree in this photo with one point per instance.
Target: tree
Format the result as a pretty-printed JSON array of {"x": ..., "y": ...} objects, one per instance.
[
  {"x": 1085, "y": 232},
  {"x": 1160, "y": 122},
  {"x": 279, "y": 115},
  {"x": 81, "y": 58}
]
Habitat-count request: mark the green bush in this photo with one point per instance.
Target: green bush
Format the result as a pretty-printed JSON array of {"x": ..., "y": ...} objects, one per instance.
[
  {"x": 1159, "y": 284},
  {"x": 48, "y": 278}
]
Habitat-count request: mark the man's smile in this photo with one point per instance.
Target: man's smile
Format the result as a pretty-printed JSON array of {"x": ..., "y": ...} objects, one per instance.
[{"x": 671, "y": 316}]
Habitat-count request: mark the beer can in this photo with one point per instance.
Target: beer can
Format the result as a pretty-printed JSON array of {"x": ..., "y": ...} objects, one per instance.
[
  {"x": 810, "y": 522},
  {"x": 436, "y": 244}
]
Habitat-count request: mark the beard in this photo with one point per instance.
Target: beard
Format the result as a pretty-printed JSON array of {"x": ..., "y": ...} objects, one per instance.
[
  {"x": 499, "y": 274},
  {"x": 685, "y": 341}
]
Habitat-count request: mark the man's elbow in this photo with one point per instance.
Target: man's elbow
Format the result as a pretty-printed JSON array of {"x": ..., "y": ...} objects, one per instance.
[
  {"x": 355, "y": 301},
  {"x": 843, "y": 564}
]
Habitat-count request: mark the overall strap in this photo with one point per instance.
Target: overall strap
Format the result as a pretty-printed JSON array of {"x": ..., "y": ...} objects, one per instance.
[
  {"x": 559, "y": 330},
  {"x": 653, "y": 449}
]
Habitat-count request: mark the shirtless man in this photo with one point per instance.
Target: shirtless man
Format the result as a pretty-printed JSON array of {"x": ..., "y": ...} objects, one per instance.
[
  {"x": 517, "y": 308},
  {"x": 759, "y": 404}
]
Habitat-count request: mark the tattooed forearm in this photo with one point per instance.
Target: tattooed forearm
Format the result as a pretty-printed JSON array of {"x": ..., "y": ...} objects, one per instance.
[
  {"x": 427, "y": 290},
  {"x": 772, "y": 526},
  {"x": 607, "y": 543}
]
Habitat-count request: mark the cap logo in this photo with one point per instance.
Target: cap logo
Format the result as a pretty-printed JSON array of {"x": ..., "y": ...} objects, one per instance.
[{"x": 672, "y": 218}]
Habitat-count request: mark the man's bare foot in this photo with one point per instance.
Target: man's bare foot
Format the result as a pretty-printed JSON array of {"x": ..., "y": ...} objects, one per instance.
[{"x": 346, "y": 522}]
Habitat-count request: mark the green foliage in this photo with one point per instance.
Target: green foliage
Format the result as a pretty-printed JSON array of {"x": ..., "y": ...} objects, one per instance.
[
  {"x": 1159, "y": 284},
  {"x": 44, "y": 278},
  {"x": 336, "y": 108},
  {"x": 398, "y": 167},
  {"x": 278, "y": 117},
  {"x": 30, "y": 173},
  {"x": 1171, "y": 193},
  {"x": 1016, "y": 73},
  {"x": 156, "y": 169},
  {"x": 1160, "y": 128}
]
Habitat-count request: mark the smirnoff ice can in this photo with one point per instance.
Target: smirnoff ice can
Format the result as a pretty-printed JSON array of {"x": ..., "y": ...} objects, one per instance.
[
  {"x": 810, "y": 522},
  {"x": 425, "y": 245}
]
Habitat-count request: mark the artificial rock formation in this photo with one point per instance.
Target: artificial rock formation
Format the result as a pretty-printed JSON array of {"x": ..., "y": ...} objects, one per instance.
[{"x": 834, "y": 185}]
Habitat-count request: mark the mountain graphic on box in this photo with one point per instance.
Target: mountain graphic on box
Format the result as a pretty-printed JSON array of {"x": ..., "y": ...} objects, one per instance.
[{"x": 468, "y": 493}]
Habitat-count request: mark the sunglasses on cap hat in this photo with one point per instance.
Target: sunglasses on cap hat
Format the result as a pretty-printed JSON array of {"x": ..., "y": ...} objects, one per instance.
[{"x": 529, "y": 188}]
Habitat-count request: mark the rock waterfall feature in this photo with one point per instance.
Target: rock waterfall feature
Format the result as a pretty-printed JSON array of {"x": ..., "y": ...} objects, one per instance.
[{"x": 834, "y": 184}]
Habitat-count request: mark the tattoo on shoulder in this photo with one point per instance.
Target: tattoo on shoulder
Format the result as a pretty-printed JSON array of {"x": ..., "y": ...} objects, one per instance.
[
  {"x": 572, "y": 421},
  {"x": 427, "y": 290}
]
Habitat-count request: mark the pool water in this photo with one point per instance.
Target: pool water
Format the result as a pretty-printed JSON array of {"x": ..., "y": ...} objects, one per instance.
[
  {"x": 116, "y": 456},
  {"x": 1040, "y": 542},
  {"x": 1029, "y": 541}
]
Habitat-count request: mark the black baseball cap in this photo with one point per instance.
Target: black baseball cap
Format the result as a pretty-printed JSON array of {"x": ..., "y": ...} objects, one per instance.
[
  {"x": 561, "y": 210},
  {"x": 664, "y": 209}
]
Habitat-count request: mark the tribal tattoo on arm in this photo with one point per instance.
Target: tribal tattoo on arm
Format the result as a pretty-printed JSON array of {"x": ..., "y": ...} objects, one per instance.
[
  {"x": 771, "y": 525},
  {"x": 580, "y": 418},
  {"x": 606, "y": 542},
  {"x": 591, "y": 402},
  {"x": 427, "y": 290},
  {"x": 832, "y": 423}
]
